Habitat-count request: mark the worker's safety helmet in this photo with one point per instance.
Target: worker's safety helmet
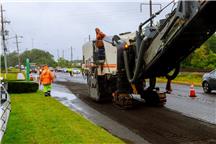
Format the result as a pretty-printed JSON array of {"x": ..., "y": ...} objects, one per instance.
[
  {"x": 45, "y": 66},
  {"x": 97, "y": 29}
]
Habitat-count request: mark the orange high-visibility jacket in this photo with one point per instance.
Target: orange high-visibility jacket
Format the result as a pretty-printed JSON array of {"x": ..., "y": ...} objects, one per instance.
[
  {"x": 46, "y": 76},
  {"x": 99, "y": 37}
]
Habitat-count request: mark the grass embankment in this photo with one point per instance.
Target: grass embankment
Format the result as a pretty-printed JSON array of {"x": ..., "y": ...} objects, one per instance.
[
  {"x": 186, "y": 78},
  {"x": 38, "y": 119},
  {"x": 9, "y": 76},
  {"x": 12, "y": 74}
]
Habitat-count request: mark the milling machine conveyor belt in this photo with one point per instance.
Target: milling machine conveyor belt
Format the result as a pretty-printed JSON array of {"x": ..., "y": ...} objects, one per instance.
[{"x": 191, "y": 36}]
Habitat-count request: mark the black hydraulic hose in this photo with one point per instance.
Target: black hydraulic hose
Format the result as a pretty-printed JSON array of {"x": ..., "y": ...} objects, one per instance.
[
  {"x": 140, "y": 60},
  {"x": 138, "y": 42},
  {"x": 139, "y": 63},
  {"x": 126, "y": 66}
]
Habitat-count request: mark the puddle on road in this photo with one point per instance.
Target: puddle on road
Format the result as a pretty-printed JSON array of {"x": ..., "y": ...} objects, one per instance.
[
  {"x": 63, "y": 95},
  {"x": 65, "y": 77}
]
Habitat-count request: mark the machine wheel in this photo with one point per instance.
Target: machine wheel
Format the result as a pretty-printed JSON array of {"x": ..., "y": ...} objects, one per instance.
[
  {"x": 97, "y": 88},
  {"x": 93, "y": 88},
  {"x": 122, "y": 100},
  {"x": 152, "y": 83},
  {"x": 206, "y": 87},
  {"x": 154, "y": 98}
]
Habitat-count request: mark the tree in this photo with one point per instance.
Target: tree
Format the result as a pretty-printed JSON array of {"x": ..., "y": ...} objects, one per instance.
[
  {"x": 203, "y": 57},
  {"x": 2, "y": 62},
  {"x": 211, "y": 42},
  {"x": 200, "y": 57},
  {"x": 64, "y": 63},
  {"x": 38, "y": 56},
  {"x": 12, "y": 59}
]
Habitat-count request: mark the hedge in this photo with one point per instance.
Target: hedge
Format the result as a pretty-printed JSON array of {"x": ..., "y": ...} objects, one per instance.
[{"x": 22, "y": 86}]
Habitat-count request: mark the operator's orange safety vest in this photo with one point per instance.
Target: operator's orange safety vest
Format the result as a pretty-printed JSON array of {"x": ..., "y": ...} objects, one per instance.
[{"x": 46, "y": 77}]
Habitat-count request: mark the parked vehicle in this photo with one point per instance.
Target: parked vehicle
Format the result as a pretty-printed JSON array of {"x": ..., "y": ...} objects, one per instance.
[
  {"x": 209, "y": 81},
  {"x": 76, "y": 71},
  {"x": 33, "y": 68}
]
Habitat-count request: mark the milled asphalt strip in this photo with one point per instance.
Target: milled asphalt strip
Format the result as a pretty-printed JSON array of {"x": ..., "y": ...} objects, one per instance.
[{"x": 63, "y": 95}]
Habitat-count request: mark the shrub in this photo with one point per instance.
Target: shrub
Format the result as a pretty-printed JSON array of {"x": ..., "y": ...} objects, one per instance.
[{"x": 22, "y": 86}]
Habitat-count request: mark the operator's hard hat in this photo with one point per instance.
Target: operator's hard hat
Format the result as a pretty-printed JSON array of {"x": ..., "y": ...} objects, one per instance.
[
  {"x": 45, "y": 65},
  {"x": 97, "y": 29}
]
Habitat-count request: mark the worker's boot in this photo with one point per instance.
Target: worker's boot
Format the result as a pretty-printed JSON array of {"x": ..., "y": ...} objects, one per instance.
[{"x": 48, "y": 93}]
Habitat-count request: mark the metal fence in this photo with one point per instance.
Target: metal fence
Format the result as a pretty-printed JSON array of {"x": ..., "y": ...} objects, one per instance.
[{"x": 5, "y": 108}]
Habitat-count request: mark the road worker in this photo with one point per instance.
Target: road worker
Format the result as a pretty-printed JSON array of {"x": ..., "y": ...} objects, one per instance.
[
  {"x": 99, "y": 43},
  {"x": 46, "y": 79}
]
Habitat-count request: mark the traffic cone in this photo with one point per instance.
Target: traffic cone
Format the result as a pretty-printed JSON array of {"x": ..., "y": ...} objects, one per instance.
[{"x": 192, "y": 91}]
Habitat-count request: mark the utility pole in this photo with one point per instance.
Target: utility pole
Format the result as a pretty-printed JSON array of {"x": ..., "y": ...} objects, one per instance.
[
  {"x": 58, "y": 53},
  {"x": 150, "y": 8},
  {"x": 71, "y": 53},
  {"x": 4, "y": 39},
  {"x": 17, "y": 44},
  {"x": 89, "y": 37},
  {"x": 63, "y": 54},
  {"x": 32, "y": 43}
]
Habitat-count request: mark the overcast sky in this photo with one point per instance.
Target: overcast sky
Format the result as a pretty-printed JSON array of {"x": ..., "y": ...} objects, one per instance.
[{"x": 56, "y": 26}]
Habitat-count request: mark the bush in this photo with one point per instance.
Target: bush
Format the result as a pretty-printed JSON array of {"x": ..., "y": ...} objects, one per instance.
[{"x": 22, "y": 86}]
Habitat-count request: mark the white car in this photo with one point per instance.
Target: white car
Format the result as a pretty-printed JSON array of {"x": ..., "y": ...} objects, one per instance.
[{"x": 76, "y": 71}]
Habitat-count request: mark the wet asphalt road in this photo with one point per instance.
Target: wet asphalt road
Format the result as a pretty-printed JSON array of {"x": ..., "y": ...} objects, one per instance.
[
  {"x": 202, "y": 107},
  {"x": 63, "y": 95},
  {"x": 160, "y": 125}
]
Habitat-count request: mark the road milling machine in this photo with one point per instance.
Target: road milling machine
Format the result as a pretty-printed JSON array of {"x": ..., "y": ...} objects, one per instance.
[{"x": 152, "y": 51}]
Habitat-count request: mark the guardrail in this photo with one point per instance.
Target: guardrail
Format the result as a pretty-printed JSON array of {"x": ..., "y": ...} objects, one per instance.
[{"x": 5, "y": 108}]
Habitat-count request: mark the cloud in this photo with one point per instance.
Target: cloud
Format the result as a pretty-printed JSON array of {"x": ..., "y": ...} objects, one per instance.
[{"x": 60, "y": 25}]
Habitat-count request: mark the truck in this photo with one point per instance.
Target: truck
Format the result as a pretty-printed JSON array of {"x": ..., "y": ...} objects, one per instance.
[{"x": 133, "y": 59}]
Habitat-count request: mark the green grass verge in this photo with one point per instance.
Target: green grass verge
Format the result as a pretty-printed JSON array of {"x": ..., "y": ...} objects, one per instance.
[
  {"x": 10, "y": 75},
  {"x": 38, "y": 119},
  {"x": 14, "y": 70},
  {"x": 186, "y": 78}
]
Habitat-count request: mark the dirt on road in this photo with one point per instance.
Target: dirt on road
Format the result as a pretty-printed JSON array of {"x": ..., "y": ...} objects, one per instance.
[{"x": 154, "y": 124}]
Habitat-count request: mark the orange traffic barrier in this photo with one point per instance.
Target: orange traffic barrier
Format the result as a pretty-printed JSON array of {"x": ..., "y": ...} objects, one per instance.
[{"x": 192, "y": 91}]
